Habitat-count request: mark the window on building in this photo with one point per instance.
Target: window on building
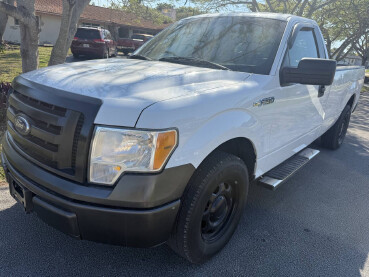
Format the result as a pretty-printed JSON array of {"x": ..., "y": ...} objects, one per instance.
[{"x": 16, "y": 22}]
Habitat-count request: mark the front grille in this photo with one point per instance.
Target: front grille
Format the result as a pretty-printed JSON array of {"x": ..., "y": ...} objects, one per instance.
[{"x": 59, "y": 129}]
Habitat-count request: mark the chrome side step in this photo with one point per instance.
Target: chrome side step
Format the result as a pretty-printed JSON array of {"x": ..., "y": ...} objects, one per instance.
[{"x": 273, "y": 178}]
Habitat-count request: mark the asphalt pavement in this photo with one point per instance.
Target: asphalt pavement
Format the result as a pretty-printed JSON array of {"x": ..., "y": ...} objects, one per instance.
[{"x": 316, "y": 224}]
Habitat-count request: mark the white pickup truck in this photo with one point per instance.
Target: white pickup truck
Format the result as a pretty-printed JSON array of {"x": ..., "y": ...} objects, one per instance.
[{"x": 162, "y": 147}]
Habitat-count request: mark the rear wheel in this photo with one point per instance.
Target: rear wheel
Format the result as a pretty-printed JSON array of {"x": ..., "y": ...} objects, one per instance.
[
  {"x": 211, "y": 207},
  {"x": 335, "y": 136},
  {"x": 105, "y": 54}
]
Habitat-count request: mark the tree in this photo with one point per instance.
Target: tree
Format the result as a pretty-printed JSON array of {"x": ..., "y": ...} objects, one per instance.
[
  {"x": 29, "y": 31},
  {"x": 343, "y": 23},
  {"x": 164, "y": 6},
  {"x": 72, "y": 10},
  {"x": 183, "y": 12},
  {"x": 362, "y": 48},
  {"x": 142, "y": 9},
  {"x": 4, "y": 19}
]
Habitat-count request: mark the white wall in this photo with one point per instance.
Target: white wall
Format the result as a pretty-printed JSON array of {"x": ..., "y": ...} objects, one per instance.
[
  {"x": 11, "y": 31},
  {"x": 50, "y": 26}
]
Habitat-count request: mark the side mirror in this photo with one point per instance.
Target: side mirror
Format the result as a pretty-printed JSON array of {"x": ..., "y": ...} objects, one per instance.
[{"x": 310, "y": 72}]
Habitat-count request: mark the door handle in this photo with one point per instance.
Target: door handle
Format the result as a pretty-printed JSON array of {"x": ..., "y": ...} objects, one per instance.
[{"x": 321, "y": 91}]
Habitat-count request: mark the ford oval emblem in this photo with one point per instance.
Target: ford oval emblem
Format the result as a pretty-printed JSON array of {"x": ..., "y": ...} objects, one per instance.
[{"x": 22, "y": 125}]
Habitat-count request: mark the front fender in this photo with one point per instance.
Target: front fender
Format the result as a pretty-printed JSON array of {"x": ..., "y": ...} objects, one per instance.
[
  {"x": 194, "y": 147},
  {"x": 199, "y": 136}
]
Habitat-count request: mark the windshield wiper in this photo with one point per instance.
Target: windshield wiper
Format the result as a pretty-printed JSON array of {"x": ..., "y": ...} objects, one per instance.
[
  {"x": 139, "y": 57},
  {"x": 193, "y": 61}
]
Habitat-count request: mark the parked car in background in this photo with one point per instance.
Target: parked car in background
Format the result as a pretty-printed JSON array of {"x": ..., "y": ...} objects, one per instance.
[
  {"x": 128, "y": 45},
  {"x": 93, "y": 42}
]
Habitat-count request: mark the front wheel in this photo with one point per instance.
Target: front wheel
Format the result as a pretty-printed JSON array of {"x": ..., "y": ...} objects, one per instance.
[
  {"x": 211, "y": 207},
  {"x": 335, "y": 136}
]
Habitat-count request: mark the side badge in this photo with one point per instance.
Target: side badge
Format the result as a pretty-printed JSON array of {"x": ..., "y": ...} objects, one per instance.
[{"x": 264, "y": 101}]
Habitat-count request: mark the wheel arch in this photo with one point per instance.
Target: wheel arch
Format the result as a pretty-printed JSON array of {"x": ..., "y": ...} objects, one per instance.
[
  {"x": 242, "y": 148},
  {"x": 351, "y": 101}
]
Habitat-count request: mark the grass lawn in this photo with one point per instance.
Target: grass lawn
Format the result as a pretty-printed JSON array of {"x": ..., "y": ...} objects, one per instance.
[
  {"x": 11, "y": 62},
  {"x": 11, "y": 67}
]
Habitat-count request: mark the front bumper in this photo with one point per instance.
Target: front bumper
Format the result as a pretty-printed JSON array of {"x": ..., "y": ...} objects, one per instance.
[{"x": 102, "y": 219}]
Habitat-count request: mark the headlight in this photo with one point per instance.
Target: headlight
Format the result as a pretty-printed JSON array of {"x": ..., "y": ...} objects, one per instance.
[{"x": 115, "y": 151}]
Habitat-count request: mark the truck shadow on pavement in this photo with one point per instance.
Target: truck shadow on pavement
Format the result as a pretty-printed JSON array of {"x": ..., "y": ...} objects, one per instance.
[{"x": 316, "y": 224}]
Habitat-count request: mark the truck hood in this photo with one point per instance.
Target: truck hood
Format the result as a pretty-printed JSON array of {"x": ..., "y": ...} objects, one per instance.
[{"x": 127, "y": 86}]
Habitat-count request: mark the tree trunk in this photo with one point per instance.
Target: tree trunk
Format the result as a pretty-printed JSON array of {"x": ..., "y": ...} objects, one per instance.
[
  {"x": 364, "y": 60},
  {"x": 29, "y": 30},
  {"x": 29, "y": 33},
  {"x": 29, "y": 47},
  {"x": 72, "y": 11},
  {"x": 4, "y": 20}
]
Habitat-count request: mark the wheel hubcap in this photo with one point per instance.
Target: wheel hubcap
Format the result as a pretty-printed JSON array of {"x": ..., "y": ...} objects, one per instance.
[{"x": 217, "y": 211}]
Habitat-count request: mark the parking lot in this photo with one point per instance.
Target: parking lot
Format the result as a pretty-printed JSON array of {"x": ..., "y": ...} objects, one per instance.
[{"x": 316, "y": 224}]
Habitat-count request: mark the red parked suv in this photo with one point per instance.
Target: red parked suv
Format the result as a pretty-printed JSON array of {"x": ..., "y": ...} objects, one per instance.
[
  {"x": 93, "y": 42},
  {"x": 127, "y": 45}
]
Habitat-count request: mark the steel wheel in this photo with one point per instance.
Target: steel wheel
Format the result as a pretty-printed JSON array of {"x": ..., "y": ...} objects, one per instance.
[
  {"x": 218, "y": 211},
  {"x": 211, "y": 207}
]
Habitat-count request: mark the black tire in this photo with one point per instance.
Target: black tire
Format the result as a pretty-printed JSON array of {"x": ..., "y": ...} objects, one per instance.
[
  {"x": 76, "y": 56},
  {"x": 125, "y": 52},
  {"x": 335, "y": 136},
  {"x": 211, "y": 207}
]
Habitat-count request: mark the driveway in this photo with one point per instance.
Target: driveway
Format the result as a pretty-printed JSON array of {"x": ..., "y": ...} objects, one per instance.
[{"x": 316, "y": 224}]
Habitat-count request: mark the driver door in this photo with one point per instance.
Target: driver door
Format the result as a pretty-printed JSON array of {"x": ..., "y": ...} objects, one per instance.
[{"x": 298, "y": 109}]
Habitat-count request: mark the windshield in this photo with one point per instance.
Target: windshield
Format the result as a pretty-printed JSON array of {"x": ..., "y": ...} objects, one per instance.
[{"x": 239, "y": 43}]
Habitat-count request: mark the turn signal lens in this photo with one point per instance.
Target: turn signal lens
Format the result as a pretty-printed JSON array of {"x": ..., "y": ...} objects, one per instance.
[{"x": 165, "y": 143}]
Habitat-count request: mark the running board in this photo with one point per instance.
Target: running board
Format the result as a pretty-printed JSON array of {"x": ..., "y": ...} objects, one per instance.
[{"x": 273, "y": 178}]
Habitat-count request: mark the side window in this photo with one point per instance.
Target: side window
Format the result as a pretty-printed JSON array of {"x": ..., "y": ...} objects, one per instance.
[{"x": 305, "y": 46}]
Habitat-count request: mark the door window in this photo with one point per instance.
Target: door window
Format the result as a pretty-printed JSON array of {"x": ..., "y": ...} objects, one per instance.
[{"x": 303, "y": 47}]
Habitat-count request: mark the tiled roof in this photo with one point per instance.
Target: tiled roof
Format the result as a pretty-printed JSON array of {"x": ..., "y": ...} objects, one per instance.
[{"x": 99, "y": 14}]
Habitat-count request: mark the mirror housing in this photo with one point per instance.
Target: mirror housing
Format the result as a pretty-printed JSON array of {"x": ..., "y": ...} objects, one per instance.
[{"x": 310, "y": 71}]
